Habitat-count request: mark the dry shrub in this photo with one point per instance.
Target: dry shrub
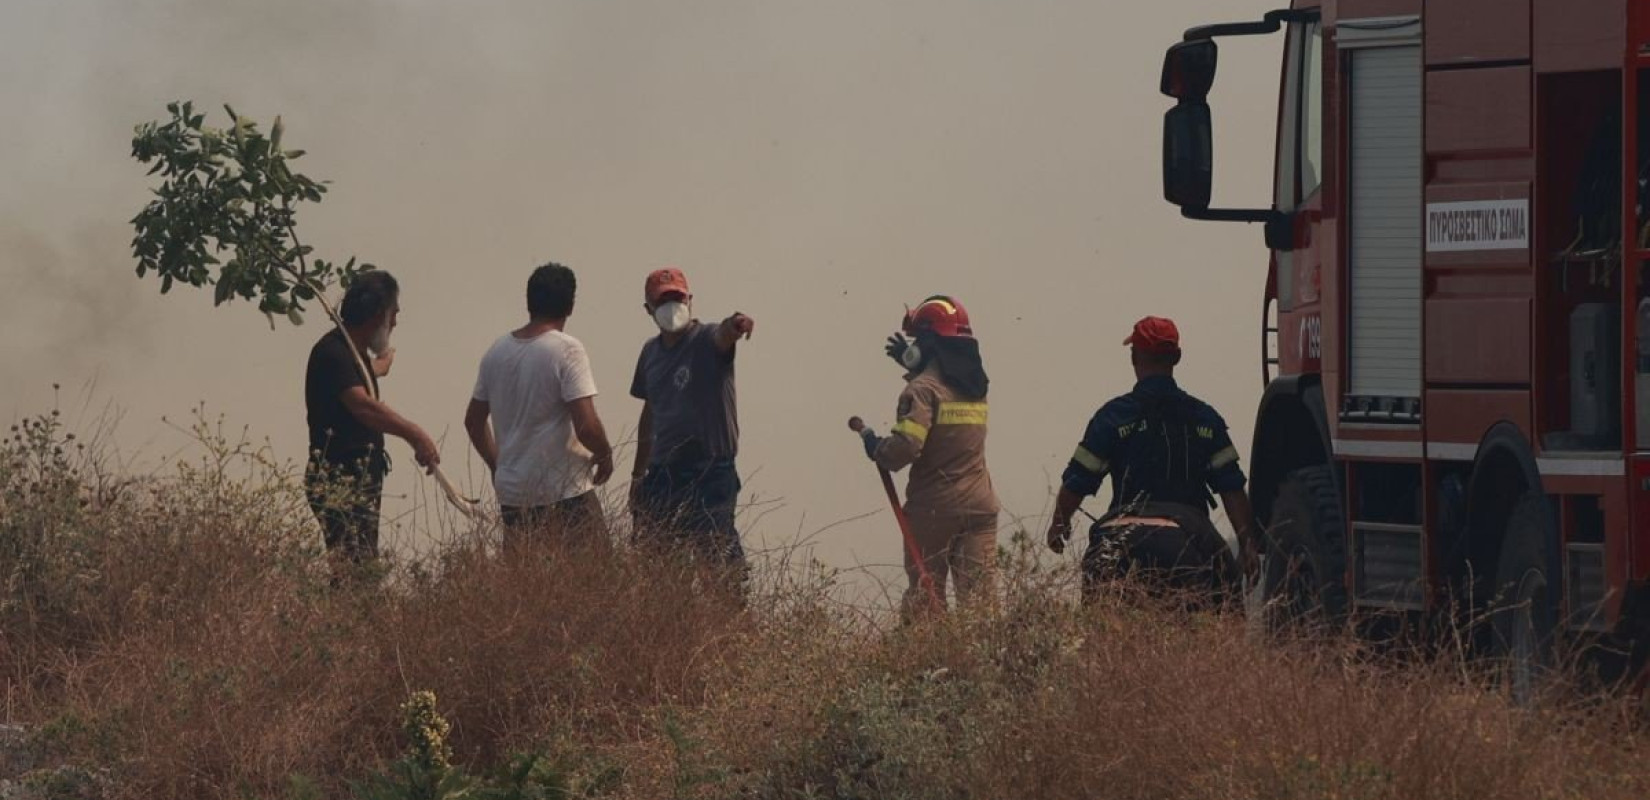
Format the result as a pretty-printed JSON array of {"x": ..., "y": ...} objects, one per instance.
[
  {"x": 185, "y": 634},
  {"x": 208, "y": 651},
  {"x": 1136, "y": 698}
]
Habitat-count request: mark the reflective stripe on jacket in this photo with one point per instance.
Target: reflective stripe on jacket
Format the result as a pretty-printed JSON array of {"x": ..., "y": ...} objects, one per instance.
[{"x": 941, "y": 436}]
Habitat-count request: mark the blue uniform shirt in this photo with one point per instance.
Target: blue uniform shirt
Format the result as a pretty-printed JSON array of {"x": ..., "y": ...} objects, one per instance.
[{"x": 1157, "y": 443}]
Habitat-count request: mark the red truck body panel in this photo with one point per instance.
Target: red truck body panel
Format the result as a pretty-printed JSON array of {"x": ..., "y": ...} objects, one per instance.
[{"x": 1514, "y": 94}]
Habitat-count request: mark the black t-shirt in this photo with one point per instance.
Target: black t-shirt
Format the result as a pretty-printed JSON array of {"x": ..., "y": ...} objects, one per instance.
[{"x": 335, "y": 433}]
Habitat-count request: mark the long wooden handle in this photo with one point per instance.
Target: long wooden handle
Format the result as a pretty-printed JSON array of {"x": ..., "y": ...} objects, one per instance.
[
  {"x": 924, "y": 578},
  {"x": 468, "y": 507}
]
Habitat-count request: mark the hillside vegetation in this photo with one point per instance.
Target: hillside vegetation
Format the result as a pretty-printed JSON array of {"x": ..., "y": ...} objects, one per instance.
[{"x": 181, "y": 636}]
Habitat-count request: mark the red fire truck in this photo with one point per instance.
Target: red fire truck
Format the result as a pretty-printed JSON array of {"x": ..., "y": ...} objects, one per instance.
[{"x": 1456, "y": 323}]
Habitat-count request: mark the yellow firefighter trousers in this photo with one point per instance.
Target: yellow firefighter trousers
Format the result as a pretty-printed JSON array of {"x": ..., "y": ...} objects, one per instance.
[{"x": 963, "y": 546}]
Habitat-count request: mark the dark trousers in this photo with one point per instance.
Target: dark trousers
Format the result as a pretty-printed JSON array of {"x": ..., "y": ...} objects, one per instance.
[
  {"x": 346, "y": 497},
  {"x": 1185, "y": 555},
  {"x": 576, "y": 520},
  {"x": 691, "y": 507}
]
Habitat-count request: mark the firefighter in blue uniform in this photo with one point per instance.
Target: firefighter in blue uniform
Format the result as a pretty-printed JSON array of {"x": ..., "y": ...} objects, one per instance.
[{"x": 1168, "y": 455}]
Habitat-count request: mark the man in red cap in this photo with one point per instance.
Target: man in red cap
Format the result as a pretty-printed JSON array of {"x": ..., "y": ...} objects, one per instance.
[
  {"x": 684, "y": 486},
  {"x": 1168, "y": 454}
]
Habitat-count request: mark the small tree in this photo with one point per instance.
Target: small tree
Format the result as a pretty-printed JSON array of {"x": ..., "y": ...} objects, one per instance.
[{"x": 225, "y": 214}]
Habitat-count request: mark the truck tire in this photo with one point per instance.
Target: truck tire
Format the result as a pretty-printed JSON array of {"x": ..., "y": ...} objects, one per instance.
[
  {"x": 1524, "y": 611},
  {"x": 1304, "y": 577}
]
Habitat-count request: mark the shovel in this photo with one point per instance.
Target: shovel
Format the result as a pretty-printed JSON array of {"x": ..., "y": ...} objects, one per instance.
[{"x": 857, "y": 425}]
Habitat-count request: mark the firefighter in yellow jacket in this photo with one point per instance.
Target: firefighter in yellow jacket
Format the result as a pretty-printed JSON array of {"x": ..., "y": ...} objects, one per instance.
[{"x": 940, "y": 435}]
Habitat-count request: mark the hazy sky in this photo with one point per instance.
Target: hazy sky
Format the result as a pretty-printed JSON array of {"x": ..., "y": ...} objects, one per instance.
[{"x": 814, "y": 164}]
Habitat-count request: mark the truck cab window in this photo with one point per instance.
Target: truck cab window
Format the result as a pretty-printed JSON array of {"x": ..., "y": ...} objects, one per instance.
[
  {"x": 1300, "y": 138},
  {"x": 1286, "y": 192},
  {"x": 1300, "y": 121},
  {"x": 1311, "y": 98}
]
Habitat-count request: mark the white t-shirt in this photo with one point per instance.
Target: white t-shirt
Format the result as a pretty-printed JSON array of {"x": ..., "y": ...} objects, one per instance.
[{"x": 527, "y": 384}]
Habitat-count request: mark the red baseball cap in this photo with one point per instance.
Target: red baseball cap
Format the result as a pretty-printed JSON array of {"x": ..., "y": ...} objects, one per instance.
[
  {"x": 663, "y": 281},
  {"x": 1155, "y": 335}
]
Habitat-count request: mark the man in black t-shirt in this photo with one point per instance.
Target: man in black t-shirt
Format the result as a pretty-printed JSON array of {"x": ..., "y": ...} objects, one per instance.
[{"x": 347, "y": 422}]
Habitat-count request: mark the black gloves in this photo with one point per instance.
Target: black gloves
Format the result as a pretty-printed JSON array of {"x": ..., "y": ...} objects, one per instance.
[
  {"x": 897, "y": 345},
  {"x": 871, "y": 440}
]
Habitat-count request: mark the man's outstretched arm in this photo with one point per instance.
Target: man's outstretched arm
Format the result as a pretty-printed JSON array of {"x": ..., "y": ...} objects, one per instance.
[{"x": 732, "y": 329}]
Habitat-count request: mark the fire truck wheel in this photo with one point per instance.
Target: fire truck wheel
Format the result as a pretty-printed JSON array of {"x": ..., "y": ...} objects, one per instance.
[
  {"x": 1305, "y": 568},
  {"x": 1523, "y": 613}
]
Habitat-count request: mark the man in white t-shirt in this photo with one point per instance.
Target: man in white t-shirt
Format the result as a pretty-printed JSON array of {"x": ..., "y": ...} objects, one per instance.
[{"x": 546, "y": 446}]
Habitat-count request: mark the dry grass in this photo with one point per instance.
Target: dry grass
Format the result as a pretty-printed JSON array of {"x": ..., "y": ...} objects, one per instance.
[{"x": 182, "y": 633}]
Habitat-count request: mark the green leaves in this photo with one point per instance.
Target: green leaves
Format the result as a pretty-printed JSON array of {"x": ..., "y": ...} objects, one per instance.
[{"x": 225, "y": 213}]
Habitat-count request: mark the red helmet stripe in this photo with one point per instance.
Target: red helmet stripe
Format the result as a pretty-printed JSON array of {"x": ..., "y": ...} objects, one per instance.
[{"x": 942, "y": 302}]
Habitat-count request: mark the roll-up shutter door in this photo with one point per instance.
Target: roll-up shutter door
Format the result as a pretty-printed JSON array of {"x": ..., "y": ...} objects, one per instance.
[{"x": 1385, "y": 222}]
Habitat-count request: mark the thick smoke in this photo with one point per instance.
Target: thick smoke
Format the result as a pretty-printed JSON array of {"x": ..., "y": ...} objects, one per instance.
[{"x": 816, "y": 165}]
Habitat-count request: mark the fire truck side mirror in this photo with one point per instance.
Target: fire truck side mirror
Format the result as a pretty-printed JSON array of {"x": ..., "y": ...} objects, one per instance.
[
  {"x": 1188, "y": 155},
  {"x": 1189, "y": 69}
]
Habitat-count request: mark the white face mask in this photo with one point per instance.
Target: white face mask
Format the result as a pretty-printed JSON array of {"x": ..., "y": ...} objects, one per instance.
[
  {"x": 912, "y": 357},
  {"x": 672, "y": 317}
]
